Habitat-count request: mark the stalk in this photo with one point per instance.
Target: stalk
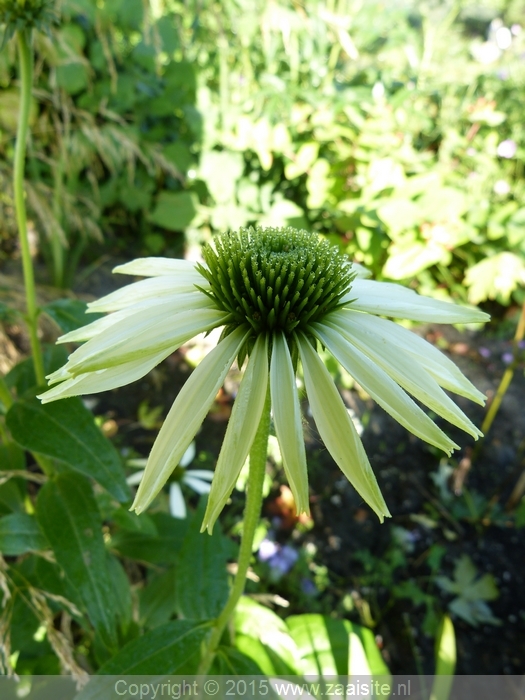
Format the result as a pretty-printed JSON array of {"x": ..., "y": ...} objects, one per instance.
[
  {"x": 252, "y": 514},
  {"x": 26, "y": 79}
]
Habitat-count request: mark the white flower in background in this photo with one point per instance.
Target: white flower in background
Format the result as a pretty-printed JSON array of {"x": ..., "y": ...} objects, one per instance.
[
  {"x": 277, "y": 293},
  {"x": 199, "y": 480},
  {"x": 507, "y": 148}
]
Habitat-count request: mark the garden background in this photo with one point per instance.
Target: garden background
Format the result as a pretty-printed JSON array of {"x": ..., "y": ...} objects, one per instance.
[{"x": 396, "y": 131}]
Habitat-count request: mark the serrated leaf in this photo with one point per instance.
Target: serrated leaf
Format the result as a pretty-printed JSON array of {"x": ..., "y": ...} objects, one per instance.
[
  {"x": 69, "y": 314},
  {"x": 65, "y": 430},
  {"x": 68, "y": 515},
  {"x": 202, "y": 579},
  {"x": 20, "y": 533}
]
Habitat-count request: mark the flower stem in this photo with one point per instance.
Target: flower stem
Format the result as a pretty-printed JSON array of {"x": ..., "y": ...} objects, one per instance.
[
  {"x": 26, "y": 79},
  {"x": 252, "y": 512}
]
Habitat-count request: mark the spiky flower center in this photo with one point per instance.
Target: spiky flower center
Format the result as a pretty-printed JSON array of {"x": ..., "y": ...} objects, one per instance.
[{"x": 271, "y": 279}]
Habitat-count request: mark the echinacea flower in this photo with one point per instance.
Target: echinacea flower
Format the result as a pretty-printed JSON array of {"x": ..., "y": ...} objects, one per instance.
[
  {"x": 197, "y": 480},
  {"x": 277, "y": 293}
]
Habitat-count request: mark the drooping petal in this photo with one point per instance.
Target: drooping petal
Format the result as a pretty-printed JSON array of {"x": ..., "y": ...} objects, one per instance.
[
  {"x": 185, "y": 417},
  {"x": 155, "y": 288},
  {"x": 337, "y": 430},
  {"x": 240, "y": 433},
  {"x": 142, "y": 335},
  {"x": 287, "y": 421},
  {"x": 382, "y": 388},
  {"x": 177, "y": 505},
  {"x": 386, "y": 299},
  {"x": 153, "y": 267},
  {"x": 104, "y": 379},
  {"x": 438, "y": 365},
  {"x": 405, "y": 372}
]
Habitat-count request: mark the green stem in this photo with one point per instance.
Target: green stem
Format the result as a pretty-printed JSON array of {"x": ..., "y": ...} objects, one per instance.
[
  {"x": 252, "y": 512},
  {"x": 26, "y": 79}
]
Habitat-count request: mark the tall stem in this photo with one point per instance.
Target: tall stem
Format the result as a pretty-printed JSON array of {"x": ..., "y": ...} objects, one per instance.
[
  {"x": 252, "y": 514},
  {"x": 26, "y": 79}
]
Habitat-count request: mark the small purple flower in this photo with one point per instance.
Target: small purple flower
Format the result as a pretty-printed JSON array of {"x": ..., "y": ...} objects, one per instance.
[
  {"x": 521, "y": 344},
  {"x": 267, "y": 549},
  {"x": 283, "y": 560},
  {"x": 507, "y": 357},
  {"x": 308, "y": 587},
  {"x": 484, "y": 352},
  {"x": 507, "y": 149}
]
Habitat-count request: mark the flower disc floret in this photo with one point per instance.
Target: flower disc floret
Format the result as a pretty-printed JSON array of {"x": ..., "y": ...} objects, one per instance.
[{"x": 275, "y": 279}]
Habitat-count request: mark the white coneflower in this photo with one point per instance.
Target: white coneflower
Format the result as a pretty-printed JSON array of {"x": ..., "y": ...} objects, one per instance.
[
  {"x": 197, "y": 480},
  {"x": 277, "y": 293}
]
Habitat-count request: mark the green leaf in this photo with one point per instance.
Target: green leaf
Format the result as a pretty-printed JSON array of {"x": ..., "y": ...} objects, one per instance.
[
  {"x": 69, "y": 314},
  {"x": 445, "y": 660},
  {"x": 7, "y": 314},
  {"x": 22, "y": 376},
  {"x": 262, "y": 636},
  {"x": 173, "y": 648},
  {"x": 330, "y": 647},
  {"x": 69, "y": 517},
  {"x": 72, "y": 77},
  {"x": 202, "y": 579},
  {"x": 161, "y": 548},
  {"x": 174, "y": 211},
  {"x": 410, "y": 258},
  {"x": 65, "y": 430},
  {"x": 179, "y": 154},
  {"x": 20, "y": 533},
  {"x": 221, "y": 171},
  {"x": 495, "y": 277},
  {"x": 231, "y": 662},
  {"x": 157, "y": 599}
]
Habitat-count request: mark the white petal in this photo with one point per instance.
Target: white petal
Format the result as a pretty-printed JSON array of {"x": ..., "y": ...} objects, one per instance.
[
  {"x": 241, "y": 430},
  {"x": 337, "y": 430},
  {"x": 360, "y": 271},
  {"x": 382, "y": 388},
  {"x": 156, "y": 288},
  {"x": 134, "y": 479},
  {"x": 185, "y": 417},
  {"x": 407, "y": 373},
  {"x": 202, "y": 474},
  {"x": 287, "y": 421},
  {"x": 386, "y": 299},
  {"x": 438, "y": 365},
  {"x": 104, "y": 379},
  {"x": 177, "y": 505},
  {"x": 153, "y": 267},
  {"x": 173, "y": 305},
  {"x": 142, "y": 336},
  {"x": 196, "y": 484},
  {"x": 189, "y": 455}
]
